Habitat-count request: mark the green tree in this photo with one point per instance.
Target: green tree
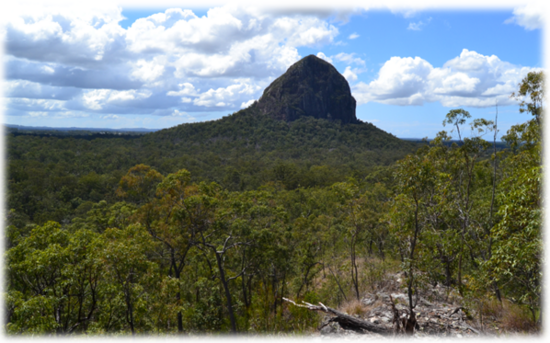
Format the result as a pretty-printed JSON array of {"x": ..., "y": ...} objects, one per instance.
[
  {"x": 532, "y": 86},
  {"x": 139, "y": 184},
  {"x": 516, "y": 257},
  {"x": 128, "y": 274},
  {"x": 54, "y": 281}
]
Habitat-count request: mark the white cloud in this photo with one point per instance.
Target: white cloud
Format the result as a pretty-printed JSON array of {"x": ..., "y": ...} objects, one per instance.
[
  {"x": 38, "y": 114},
  {"x": 419, "y": 25},
  {"x": 158, "y": 64},
  {"x": 398, "y": 79},
  {"x": 93, "y": 99},
  {"x": 121, "y": 96},
  {"x": 406, "y": 12},
  {"x": 177, "y": 113},
  {"x": 228, "y": 41},
  {"x": 110, "y": 116},
  {"x": 185, "y": 115},
  {"x": 470, "y": 79},
  {"x": 415, "y": 26},
  {"x": 220, "y": 97},
  {"x": 349, "y": 74},
  {"x": 247, "y": 104},
  {"x": 33, "y": 105},
  {"x": 48, "y": 70},
  {"x": 324, "y": 57},
  {"x": 148, "y": 71},
  {"x": 186, "y": 89},
  {"x": 97, "y": 99},
  {"x": 447, "y": 82},
  {"x": 530, "y": 17},
  {"x": 353, "y": 36},
  {"x": 34, "y": 90},
  {"x": 349, "y": 58},
  {"x": 85, "y": 37}
]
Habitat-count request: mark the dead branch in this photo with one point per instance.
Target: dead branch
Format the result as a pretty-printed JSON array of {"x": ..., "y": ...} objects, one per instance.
[
  {"x": 396, "y": 318},
  {"x": 346, "y": 321}
]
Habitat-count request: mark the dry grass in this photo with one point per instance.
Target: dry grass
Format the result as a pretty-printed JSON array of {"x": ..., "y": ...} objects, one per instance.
[
  {"x": 517, "y": 319},
  {"x": 511, "y": 318},
  {"x": 491, "y": 308},
  {"x": 354, "y": 307}
]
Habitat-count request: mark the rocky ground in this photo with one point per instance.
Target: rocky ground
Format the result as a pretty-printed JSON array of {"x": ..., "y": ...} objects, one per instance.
[{"x": 439, "y": 313}]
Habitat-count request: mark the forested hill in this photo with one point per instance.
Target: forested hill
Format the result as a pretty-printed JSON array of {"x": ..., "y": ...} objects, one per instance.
[
  {"x": 125, "y": 239},
  {"x": 248, "y": 136},
  {"x": 50, "y": 177}
]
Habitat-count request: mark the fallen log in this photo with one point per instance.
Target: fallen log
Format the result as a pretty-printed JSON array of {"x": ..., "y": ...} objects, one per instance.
[{"x": 346, "y": 321}]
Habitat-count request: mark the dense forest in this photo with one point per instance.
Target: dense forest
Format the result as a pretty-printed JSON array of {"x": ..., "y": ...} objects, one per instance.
[
  {"x": 205, "y": 228},
  {"x": 52, "y": 177}
]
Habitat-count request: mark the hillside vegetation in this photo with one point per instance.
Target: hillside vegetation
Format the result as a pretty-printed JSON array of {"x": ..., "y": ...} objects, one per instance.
[
  {"x": 50, "y": 177},
  {"x": 204, "y": 228}
]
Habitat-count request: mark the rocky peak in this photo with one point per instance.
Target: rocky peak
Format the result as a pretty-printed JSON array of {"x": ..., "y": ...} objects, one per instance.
[{"x": 310, "y": 87}]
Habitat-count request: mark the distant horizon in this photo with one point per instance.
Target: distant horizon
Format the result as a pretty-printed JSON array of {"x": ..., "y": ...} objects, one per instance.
[{"x": 147, "y": 130}]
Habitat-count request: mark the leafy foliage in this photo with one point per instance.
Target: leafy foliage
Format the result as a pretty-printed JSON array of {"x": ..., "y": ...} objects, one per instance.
[{"x": 218, "y": 221}]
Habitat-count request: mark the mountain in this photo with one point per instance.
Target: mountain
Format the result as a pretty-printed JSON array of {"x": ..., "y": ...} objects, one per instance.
[
  {"x": 308, "y": 138},
  {"x": 311, "y": 87}
]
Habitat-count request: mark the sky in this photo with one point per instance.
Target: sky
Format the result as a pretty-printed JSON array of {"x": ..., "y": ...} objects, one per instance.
[{"x": 118, "y": 66}]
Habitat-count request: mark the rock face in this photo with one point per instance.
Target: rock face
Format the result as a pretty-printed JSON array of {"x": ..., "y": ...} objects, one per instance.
[{"x": 310, "y": 87}]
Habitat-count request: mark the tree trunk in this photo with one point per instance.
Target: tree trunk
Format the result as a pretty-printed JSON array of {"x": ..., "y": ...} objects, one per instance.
[
  {"x": 178, "y": 299},
  {"x": 243, "y": 286},
  {"x": 354, "y": 277},
  {"x": 227, "y": 293},
  {"x": 129, "y": 309}
]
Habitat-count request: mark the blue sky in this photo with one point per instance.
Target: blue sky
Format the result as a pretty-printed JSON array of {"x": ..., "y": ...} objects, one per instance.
[{"x": 118, "y": 67}]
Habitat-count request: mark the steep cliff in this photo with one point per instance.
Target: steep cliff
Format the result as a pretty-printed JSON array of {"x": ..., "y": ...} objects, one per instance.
[{"x": 310, "y": 87}]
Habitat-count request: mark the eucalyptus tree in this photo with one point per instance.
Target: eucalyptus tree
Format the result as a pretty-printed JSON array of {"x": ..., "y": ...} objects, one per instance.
[
  {"x": 173, "y": 219},
  {"x": 464, "y": 159},
  {"x": 516, "y": 259},
  {"x": 54, "y": 281},
  {"x": 131, "y": 278},
  {"x": 416, "y": 176},
  {"x": 223, "y": 233},
  {"x": 532, "y": 88},
  {"x": 359, "y": 212}
]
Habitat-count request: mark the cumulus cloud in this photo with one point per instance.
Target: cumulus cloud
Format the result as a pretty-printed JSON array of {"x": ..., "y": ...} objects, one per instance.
[
  {"x": 61, "y": 75},
  {"x": 399, "y": 81},
  {"x": 350, "y": 59},
  {"x": 247, "y": 104},
  {"x": 221, "y": 96},
  {"x": 186, "y": 89},
  {"x": 353, "y": 36},
  {"x": 85, "y": 62},
  {"x": 530, "y": 17},
  {"x": 470, "y": 79},
  {"x": 148, "y": 71},
  {"x": 96, "y": 99},
  {"x": 73, "y": 37},
  {"x": 34, "y": 90},
  {"x": 324, "y": 57},
  {"x": 349, "y": 74}
]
